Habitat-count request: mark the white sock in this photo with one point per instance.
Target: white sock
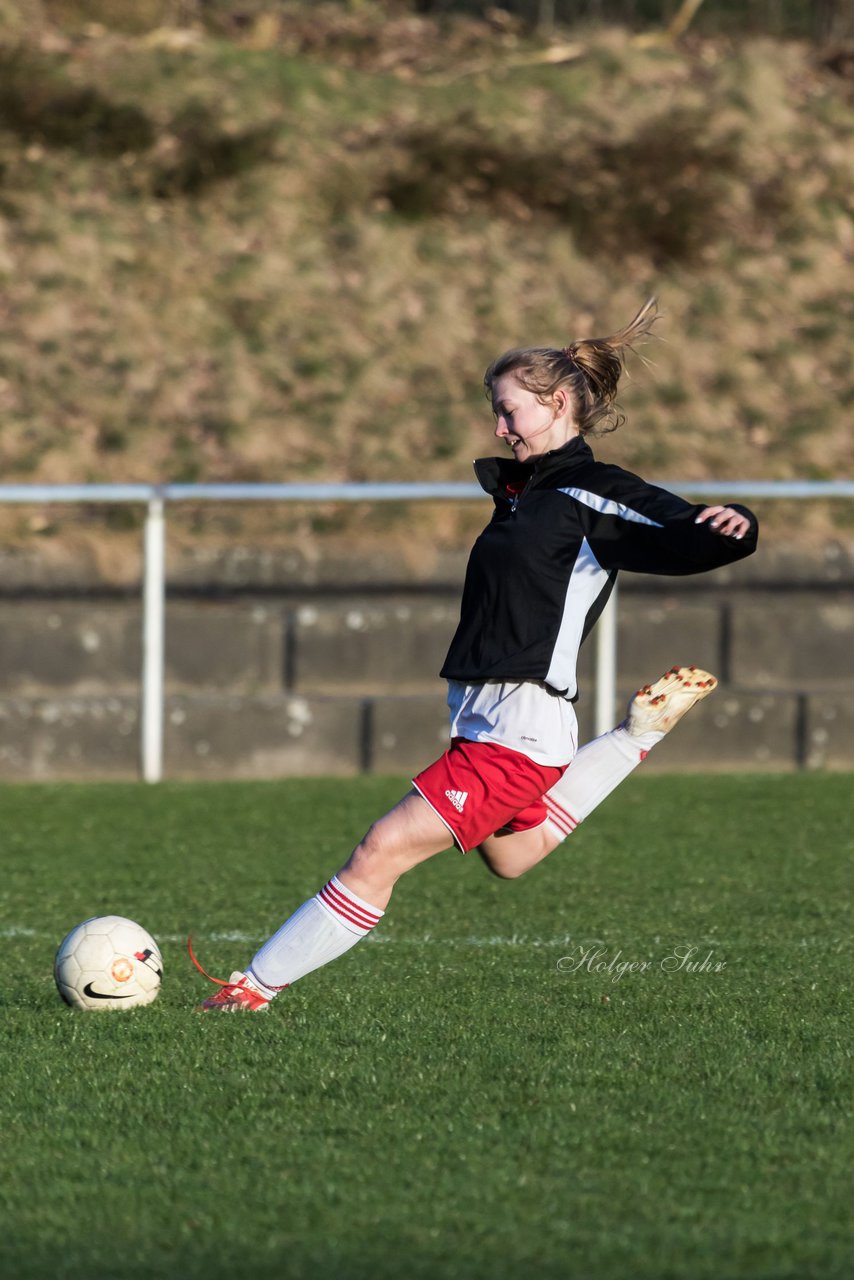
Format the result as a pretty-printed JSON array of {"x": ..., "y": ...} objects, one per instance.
[
  {"x": 323, "y": 928},
  {"x": 599, "y": 767}
]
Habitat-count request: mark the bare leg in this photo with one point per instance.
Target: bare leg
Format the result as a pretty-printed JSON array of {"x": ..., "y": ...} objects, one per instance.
[
  {"x": 408, "y": 834},
  {"x": 512, "y": 854},
  {"x": 345, "y": 910}
]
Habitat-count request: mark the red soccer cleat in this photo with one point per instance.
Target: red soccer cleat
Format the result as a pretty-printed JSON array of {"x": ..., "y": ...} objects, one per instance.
[{"x": 237, "y": 993}]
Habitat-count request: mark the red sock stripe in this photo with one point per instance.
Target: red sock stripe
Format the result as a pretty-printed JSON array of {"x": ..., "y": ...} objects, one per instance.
[
  {"x": 344, "y": 906},
  {"x": 563, "y": 821}
]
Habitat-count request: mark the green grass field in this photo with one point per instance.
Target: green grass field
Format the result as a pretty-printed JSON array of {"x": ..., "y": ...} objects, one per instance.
[{"x": 457, "y": 1097}]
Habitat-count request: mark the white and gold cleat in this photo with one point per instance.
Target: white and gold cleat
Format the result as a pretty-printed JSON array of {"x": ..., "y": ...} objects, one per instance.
[{"x": 656, "y": 708}]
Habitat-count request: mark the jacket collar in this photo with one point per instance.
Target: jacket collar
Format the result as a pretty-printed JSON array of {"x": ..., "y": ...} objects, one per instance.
[{"x": 499, "y": 476}]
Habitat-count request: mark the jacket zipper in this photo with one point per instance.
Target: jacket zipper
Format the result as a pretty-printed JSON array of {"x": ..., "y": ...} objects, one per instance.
[{"x": 517, "y": 497}]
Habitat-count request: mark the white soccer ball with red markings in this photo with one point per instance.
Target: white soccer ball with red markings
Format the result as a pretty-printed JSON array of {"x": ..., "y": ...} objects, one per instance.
[{"x": 108, "y": 962}]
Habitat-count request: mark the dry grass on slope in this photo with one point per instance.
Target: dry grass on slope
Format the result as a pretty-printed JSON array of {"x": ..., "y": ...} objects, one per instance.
[{"x": 227, "y": 263}]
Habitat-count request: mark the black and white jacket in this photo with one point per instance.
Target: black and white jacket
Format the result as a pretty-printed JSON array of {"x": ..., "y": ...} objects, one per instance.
[{"x": 541, "y": 572}]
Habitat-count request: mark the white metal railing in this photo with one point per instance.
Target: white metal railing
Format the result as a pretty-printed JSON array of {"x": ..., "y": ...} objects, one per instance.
[{"x": 155, "y": 498}]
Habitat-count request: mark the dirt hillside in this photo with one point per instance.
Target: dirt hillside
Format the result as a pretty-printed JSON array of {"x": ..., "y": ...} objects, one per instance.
[{"x": 287, "y": 251}]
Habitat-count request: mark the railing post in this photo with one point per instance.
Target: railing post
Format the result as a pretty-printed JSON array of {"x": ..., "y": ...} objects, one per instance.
[
  {"x": 153, "y": 635},
  {"x": 606, "y": 666}
]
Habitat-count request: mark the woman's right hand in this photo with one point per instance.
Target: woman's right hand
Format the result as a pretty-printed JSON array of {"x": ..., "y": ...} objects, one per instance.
[{"x": 724, "y": 520}]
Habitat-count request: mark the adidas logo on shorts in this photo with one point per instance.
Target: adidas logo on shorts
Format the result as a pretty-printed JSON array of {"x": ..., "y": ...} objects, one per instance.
[{"x": 457, "y": 799}]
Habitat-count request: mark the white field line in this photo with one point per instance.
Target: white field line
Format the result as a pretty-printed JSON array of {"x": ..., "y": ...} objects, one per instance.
[
  {"x": 426, "y": 940},
  {"x": 255, "y": 939}
]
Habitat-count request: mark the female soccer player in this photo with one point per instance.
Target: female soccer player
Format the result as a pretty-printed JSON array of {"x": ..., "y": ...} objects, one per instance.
[{"x": 538, "y": 577}]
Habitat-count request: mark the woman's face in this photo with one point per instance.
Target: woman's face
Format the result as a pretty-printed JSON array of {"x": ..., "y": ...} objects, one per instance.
[{"x": 530, "y": 427}]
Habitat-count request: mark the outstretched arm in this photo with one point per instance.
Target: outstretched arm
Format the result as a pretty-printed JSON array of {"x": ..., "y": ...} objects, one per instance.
[{"x": 645, "y": 529}]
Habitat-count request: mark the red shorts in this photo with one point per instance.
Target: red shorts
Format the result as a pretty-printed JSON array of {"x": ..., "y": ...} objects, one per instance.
[{"x": 478, "y": 788}]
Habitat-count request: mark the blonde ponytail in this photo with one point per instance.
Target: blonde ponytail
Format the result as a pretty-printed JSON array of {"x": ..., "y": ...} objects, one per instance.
[{"x": 589, "y": 368}]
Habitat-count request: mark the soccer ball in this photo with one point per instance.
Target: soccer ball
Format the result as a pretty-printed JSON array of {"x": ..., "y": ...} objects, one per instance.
[{"x": 108, "y": 962}]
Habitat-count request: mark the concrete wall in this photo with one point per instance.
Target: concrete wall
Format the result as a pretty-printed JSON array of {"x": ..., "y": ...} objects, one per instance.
[{"x": 277, "y": 665}]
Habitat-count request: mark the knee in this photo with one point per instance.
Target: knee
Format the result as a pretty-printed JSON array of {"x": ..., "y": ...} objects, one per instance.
[
  {"x": 503, "y": 871},
  {"x": 373, "y": 850}
]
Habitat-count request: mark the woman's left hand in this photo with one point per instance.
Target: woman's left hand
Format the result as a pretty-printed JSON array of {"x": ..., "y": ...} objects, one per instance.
[{"x": 724, "y": 521}]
